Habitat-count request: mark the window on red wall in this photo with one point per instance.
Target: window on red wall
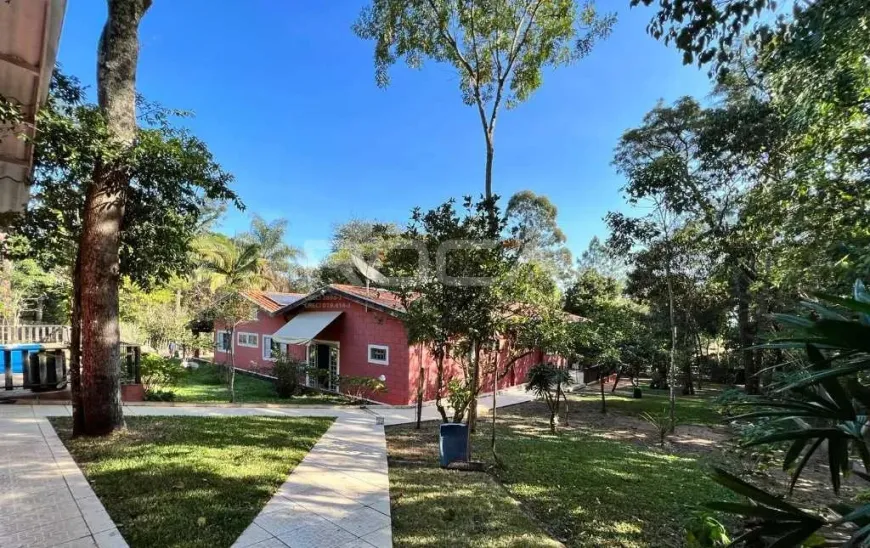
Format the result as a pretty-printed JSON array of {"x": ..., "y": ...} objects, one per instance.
[{"x": 379, "y": 354}]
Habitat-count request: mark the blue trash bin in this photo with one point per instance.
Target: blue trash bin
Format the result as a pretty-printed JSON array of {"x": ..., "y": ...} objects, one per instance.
[
  {"x": 453, "y": 444},
  {"x": 17, "y": 364}
]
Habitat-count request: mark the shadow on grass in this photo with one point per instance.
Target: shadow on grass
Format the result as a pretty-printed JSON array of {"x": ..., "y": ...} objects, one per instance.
[
  {"x": 191, "y": 481},
  {"x": 582, "y": 489}
]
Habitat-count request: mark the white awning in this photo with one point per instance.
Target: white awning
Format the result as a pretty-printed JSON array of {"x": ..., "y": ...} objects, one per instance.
[{"x": 305, "y": 326}]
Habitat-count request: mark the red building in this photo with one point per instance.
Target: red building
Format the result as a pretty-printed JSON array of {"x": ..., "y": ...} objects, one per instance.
[{"x": 348, "y": 330}]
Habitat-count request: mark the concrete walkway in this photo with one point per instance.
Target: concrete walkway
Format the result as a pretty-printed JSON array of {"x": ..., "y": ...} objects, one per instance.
[{"x": 339, "y": 495}]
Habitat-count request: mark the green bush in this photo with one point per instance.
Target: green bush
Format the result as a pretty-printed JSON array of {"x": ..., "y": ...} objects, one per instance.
[
  {"x": 158, "y": 373},
  {"x": 159, "y": 395},
  {"x": 287, "y": 372}
]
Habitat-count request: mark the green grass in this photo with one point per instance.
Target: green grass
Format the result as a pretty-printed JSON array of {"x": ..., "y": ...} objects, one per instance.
[
  {"x": 206, "y": 384},
  {"x": 579, "y": 487},
  {"x": 191, "y": 481},
  {"x": 698, "y": 409},
  {"x": 432, "y": 507}
]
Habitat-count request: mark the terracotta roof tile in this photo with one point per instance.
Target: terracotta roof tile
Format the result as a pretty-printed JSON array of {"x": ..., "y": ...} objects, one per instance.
[
  {"x": 271, "y": 301},
  {"x": 383, "y": 297}
]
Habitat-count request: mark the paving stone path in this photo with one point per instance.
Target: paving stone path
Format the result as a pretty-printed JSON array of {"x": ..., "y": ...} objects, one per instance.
[{"x": 338, "y": 496}]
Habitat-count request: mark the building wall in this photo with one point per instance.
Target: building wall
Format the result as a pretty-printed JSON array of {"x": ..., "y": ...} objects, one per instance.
[
  {"x": 250, "y": 359},
  {"x": 357, "y": 328}
]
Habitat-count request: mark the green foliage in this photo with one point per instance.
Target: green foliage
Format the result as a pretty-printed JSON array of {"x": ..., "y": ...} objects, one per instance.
[
  {"x": 159, "y": 373},
  {"x": 370, "y": 241},
  {"x": 705, "y": 531},
  {"x": 827, "y": 406},
  {"x": 173, "y": 177},
  {"x": 287, "y": 373},
  {"x": 548, "y": 382},
  {"x": 492, "y": 45},
  {"x": 156, "y": 394}
]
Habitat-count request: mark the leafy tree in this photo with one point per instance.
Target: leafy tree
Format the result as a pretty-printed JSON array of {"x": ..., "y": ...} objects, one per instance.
[
  {"x": 169, "y": 179},
  {"x": 370, "y": 241},
  {"x": 228, "y": 311},
  {"x": 532, "y": 225},
  {"x": 231, "y": 263},
  {"x": 499, "y": 48}
]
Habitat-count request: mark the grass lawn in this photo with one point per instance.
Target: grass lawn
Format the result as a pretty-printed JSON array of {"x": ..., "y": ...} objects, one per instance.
[
  {"x": 689, "y": 409},
  {"x": 432, "y": 507},
  {"x": 191, "y": 481},
  {"x": 206, "y": 384},
  {"x": 579, "y": 486}
]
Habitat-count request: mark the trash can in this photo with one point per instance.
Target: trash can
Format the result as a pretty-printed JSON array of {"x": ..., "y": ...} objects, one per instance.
[{"x": 453, "y": 444}]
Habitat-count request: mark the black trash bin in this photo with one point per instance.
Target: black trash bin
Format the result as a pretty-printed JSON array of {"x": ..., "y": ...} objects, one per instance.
[{"x": 453, "y": 446}]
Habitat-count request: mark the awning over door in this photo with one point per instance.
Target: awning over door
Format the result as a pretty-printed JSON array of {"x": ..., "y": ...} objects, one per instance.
[{"x": 305, "y": 326}]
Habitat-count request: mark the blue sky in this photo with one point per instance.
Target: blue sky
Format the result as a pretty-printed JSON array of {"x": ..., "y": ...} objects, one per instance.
[{"x": 284, "y": 95}]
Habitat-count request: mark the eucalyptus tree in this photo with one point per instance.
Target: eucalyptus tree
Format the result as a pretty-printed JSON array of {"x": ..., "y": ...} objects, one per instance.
[{"x": 499, "y": 48}]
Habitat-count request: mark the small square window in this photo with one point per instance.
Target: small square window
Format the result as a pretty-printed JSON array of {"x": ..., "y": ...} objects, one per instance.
[{"x": 379, "y": 354}]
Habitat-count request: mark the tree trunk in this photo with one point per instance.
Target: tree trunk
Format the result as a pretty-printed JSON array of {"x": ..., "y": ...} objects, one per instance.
[
  {"x": 673, "y": 351},
  {"x": 75, "y": 351},
  {"x": 744, "y": 328},
  {"x": 439, "y": 385},
  {"x": 420, "y": 383},
  {"x": 494, "y": 409},
  {"x": 601, "y": 386},
  {"x": 100, "y": 240},
  {"x": 490, "y": 155}
]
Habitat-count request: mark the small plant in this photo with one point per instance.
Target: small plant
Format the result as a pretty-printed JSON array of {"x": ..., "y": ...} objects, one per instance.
[
  {"x": 548, "y": 381},
  {"x": 705, "y": 531},
  {"x": 360, "y": 388},
  {"x": 287, "y": 372},
  {"x": 661, "y": 422}
]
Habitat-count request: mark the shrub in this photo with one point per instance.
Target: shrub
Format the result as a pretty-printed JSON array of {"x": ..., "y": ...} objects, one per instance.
[
  {"x": 287, "y": 372},
  {"x": 361, "y": 387},
  {"x": 158, "y": 373},
  {"x": 159, "y": 395}
]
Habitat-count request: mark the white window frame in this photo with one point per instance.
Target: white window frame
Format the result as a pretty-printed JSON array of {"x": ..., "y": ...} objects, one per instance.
[
  {"x": 217, "y": 341},
  {"x": 267, "y": 348},
  {"x": 385, "y": 348},
  {"x": 256, "y": 343}
]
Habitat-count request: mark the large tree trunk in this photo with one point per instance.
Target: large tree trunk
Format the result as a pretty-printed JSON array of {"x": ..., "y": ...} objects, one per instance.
[{"x": 118, "y": 57}]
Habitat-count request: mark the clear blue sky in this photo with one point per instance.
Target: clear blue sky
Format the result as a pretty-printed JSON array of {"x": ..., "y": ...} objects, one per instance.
[{"x": 284, "y": 95}]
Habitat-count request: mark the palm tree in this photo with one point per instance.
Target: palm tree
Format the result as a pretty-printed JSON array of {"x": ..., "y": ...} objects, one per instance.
[
  {"x": 231, "y": 264},
  {"x": 277, "y": 256}
]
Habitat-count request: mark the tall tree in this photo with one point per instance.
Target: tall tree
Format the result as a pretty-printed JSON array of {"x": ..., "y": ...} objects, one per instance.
[
  {"x": 532, "y": 225},
  {"x": 499, "y": 48},
  {"x": 98, "y": 268},
  {"x": 277, "y": 255}
]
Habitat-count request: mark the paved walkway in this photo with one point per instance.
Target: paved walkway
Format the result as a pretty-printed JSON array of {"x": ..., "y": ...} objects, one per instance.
[{"x": 339, "y": 495}]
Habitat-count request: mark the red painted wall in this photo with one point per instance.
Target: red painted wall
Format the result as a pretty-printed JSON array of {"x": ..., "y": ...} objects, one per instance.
[
  {"x": 356, "y": 328},
  {"x": 251, "y": 359}
]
